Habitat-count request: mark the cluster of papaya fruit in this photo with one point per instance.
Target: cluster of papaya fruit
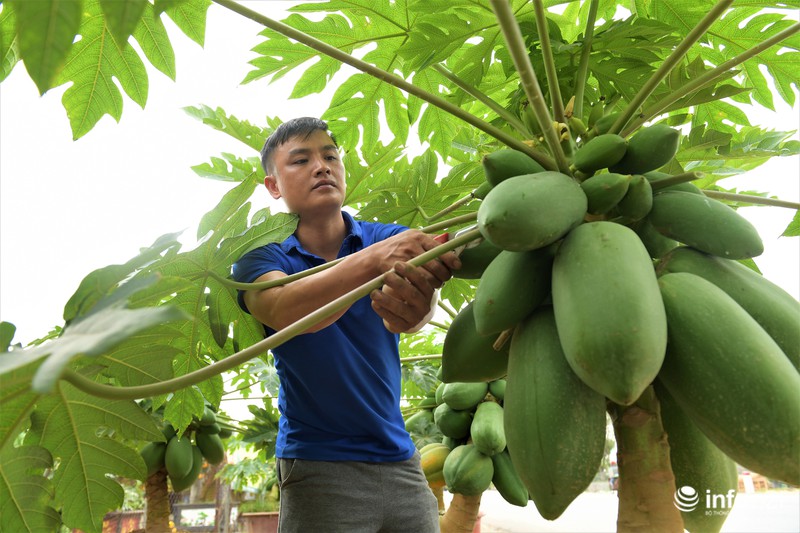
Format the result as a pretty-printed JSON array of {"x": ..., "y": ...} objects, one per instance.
[
  {"x": 472, "y": 453},
  {"x": 183, "y": 458},
  {"x": 597, "y": 284}
]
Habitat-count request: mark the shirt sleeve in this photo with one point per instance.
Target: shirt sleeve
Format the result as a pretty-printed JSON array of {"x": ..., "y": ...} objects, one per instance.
[{"x": 255, "y": 264}]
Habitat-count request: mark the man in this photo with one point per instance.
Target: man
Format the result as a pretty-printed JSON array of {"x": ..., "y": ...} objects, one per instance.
[{"x": 345, "y": 461}]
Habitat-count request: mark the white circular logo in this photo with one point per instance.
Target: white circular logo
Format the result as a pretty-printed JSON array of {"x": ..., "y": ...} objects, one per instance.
[{"x": 686, "y": 499}]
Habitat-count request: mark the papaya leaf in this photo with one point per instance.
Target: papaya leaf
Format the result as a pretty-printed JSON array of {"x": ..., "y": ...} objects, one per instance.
[
  {"x": 122, "y": 17},
  {"x": 185, "y": 404},
  {"x": 16, "y": 399},
  {"x": 7, "y": 331},
  {"x": 457, "y": 292},
  {"x": 241, "y": 130},
  {"x": 230, "y": 168},
  {"x": 9, "y": 43},
  {"x": 188, "y": 15},
  {"x": 364, "y": 177},
  {"x": 99, "y": 283},
  {"x": 152, "y": 36},
  {"x": 419, "y": 377},
  {"x": 25, "y": 494},
  {"x": 45, "y": 32},
  {"x": 142, "y": 358},
  {"x": 93, "y": 335},
  {"x": 793, "y": 229},
  {"x": 67, "y": 423},
  {"x": 262, "y": 430},
  {"x": 93, "y": 65}
]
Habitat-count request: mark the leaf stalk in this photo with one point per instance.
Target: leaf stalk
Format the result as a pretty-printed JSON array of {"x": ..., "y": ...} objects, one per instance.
[{"x": 583, "y": 65}]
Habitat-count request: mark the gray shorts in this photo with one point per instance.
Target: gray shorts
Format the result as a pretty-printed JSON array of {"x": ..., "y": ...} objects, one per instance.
[{"x": 355, "y": 497}]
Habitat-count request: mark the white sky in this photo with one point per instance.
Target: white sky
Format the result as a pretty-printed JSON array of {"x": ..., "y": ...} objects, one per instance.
[{"x": 67, "y": 208}]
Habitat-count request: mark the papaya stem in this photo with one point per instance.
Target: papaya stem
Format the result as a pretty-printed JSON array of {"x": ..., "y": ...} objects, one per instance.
[
  {"x": 447, "y": 309},
  {"x": 556, "y": 103},
  {"x": 482, "y": 97},
  {"x": 750, "y": 199},
  {"x": 676, "y": 180},
  {"x": 583, "y": 65},
  {"x": 669, "y": 63},
  {"x": 461, "y": 515},
  {"x": 420, "y": 358},
  {"x": 519, "y": 53},
  {"x": 439, "y": 325},
  {"x": 162, "y": 387},
  {"x": 646, "y": 481},
  {"x": 455, "y": 221},
  {"x": 240, "y": 285},
  {"x": 384, "y": 76},
  {"x": 710, "y": 76},
  {"x": 452, "y": 207}
]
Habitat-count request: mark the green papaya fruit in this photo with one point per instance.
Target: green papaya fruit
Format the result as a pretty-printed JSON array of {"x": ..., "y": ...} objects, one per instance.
[
  {"x": 153, "y": 454},
  {"x": 168, "y": 432},
  {"x": 497, "y": 388},
  {"x": 506, "y": 163},
  {"x": 604, "y": 123},
  {"x": 706, "y": 224},
  {"x": 212, "y": 447},
  {"x": 212, "y": 429},
  {"x": 486, "y": 429},
  {"x": 657, "y": 244},
  {"x": 729, "y": 376},
  {"x": 650, "y": 148},
  {"x": 507, "y": 481},
  {"x": 429, "y": 402},
  {"x": 608, "y": 309},
  {"x": 452, "y": 443},
  {"x": 512, "y": 286},
  {"x": 482, "y": 190},
  {"x": 600, "y": 152},
  {"x": 208, "y": 418},
  {"x": 468, "y": 356},
  {"x": 225, "y": 433},
  {"x": 699, "y": 465},
  {"x": 451, "y": 422},
  {"x": 531, "y": 211},
  {"x": 467, "y": 471},
  {"x": 638, "y": 200},
  {"x": 555, "y": 425},
  {"x": 604, "y": 191},
  {"x": 178, "y": 457},
  {"x": 475, "y": 258},
  {"x": 463, "y": 396},
  {"x": 439, "y": 392},
  {"x": 773, "y": 308},
  {"x": 184, "y": 482}
]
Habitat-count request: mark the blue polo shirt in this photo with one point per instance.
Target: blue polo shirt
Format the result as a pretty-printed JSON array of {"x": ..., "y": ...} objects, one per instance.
[{"x": 339, "y": 391}]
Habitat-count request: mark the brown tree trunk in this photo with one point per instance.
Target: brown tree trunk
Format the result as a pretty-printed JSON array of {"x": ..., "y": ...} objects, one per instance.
[
  {"x": 646, "y": 482},
  {"x": 461, "y": 515},
  {"x": 157, "y": 494}
]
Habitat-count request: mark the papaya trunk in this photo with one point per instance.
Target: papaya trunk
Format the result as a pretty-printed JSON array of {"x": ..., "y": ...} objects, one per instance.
[
  {"x": 646, "y": 482},
  {"x": 157, "y": 494},
  {"x": 461, "y": 515}
]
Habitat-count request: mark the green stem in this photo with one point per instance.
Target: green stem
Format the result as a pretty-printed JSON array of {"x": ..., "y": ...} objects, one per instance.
[
  {"x": 519, "y": 53},
  {"x": 420, "y": 358},
  {"x": 387, "y": 77},
  {"x": 583, "y": 65},
  {"x": 455, "y": 221},
  {"x": 446, "y": 308},
  {"x": 450, "y": 208},
  {"x": 669, "y": 63},
  {"x": 163, "y": 387},
  {"x": 439, "y": 325},
  {"x": 709, "y": 77},
  {"x": 482, "y": 97},
  {"x": 556, "y": 103},
  {"x": 676, "y": 180},
  {"x": 746, "y": 198}
]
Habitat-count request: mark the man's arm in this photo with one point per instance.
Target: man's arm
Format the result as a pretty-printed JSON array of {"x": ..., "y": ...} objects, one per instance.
[{"x": 410, "y": 294}]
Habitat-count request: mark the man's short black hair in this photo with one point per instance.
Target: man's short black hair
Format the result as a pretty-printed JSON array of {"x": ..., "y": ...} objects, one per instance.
[{"x": 297, "y": 127}]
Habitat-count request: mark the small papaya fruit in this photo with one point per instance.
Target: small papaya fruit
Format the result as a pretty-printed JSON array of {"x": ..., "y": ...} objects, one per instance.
[
  {"x": 650, "y": 148},
  {"x": 531, "y": 211},
  {"x": 463, "y": 396},
  {"x": 705, "y": 224},
  {"x": 506, "y": 163},
  {"x": 475, "y": 258},
  {"x": 153, "y": 454},
  {"x": 487, "y": 430},
  {"x": 178, "y": 456},
  {"x": 212, "y": 447},
  {"x": 638, "y": 200},
  {"x": 468, "y": 356},
  {"x": 600, "y": 152},
  {"x": 507, "y": 481},
  {"x": 657, "y": 244},
  {"x": 184, "y": 482},
  {"x": 497, "y": 388},
  {"x": 604, "y": 191},
  {"x": 467, "y": 471},
  {"x": 511, "y": 287},
  {"x": 432, "y": 457},
  {"x": 451, "y": 422},
  {"x": 417, "y": 422}
]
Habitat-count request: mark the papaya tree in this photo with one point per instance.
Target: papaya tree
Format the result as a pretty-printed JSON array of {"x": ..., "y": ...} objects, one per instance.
[{"x": 621, "y": 119}]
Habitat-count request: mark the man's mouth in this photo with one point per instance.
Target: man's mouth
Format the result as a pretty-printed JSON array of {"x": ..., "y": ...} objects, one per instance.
[{"x": 324, "y": 183}]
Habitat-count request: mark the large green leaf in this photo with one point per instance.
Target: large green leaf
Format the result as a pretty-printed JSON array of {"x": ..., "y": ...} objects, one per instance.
[
  {"x": 122, "y": 17},
  {"x": 9, "y": 44},
  {"x": 45, "y": 32},
  {"x": 25, "y": 494},
  {"x": 188, "y": 15},
  {"x": 152, "y": 36},
  {"x": 241, "y": 130},
  {"x": 66, "y": 423}
]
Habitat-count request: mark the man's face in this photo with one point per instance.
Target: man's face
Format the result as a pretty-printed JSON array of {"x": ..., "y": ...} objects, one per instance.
[{"x": 308, "y": 174}]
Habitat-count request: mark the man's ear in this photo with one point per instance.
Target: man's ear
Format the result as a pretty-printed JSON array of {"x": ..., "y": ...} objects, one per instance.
[{"x": 271, "y": 183}]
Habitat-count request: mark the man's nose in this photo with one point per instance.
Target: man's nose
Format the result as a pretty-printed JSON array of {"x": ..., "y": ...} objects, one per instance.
[{"x": 321, "y": 166}]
